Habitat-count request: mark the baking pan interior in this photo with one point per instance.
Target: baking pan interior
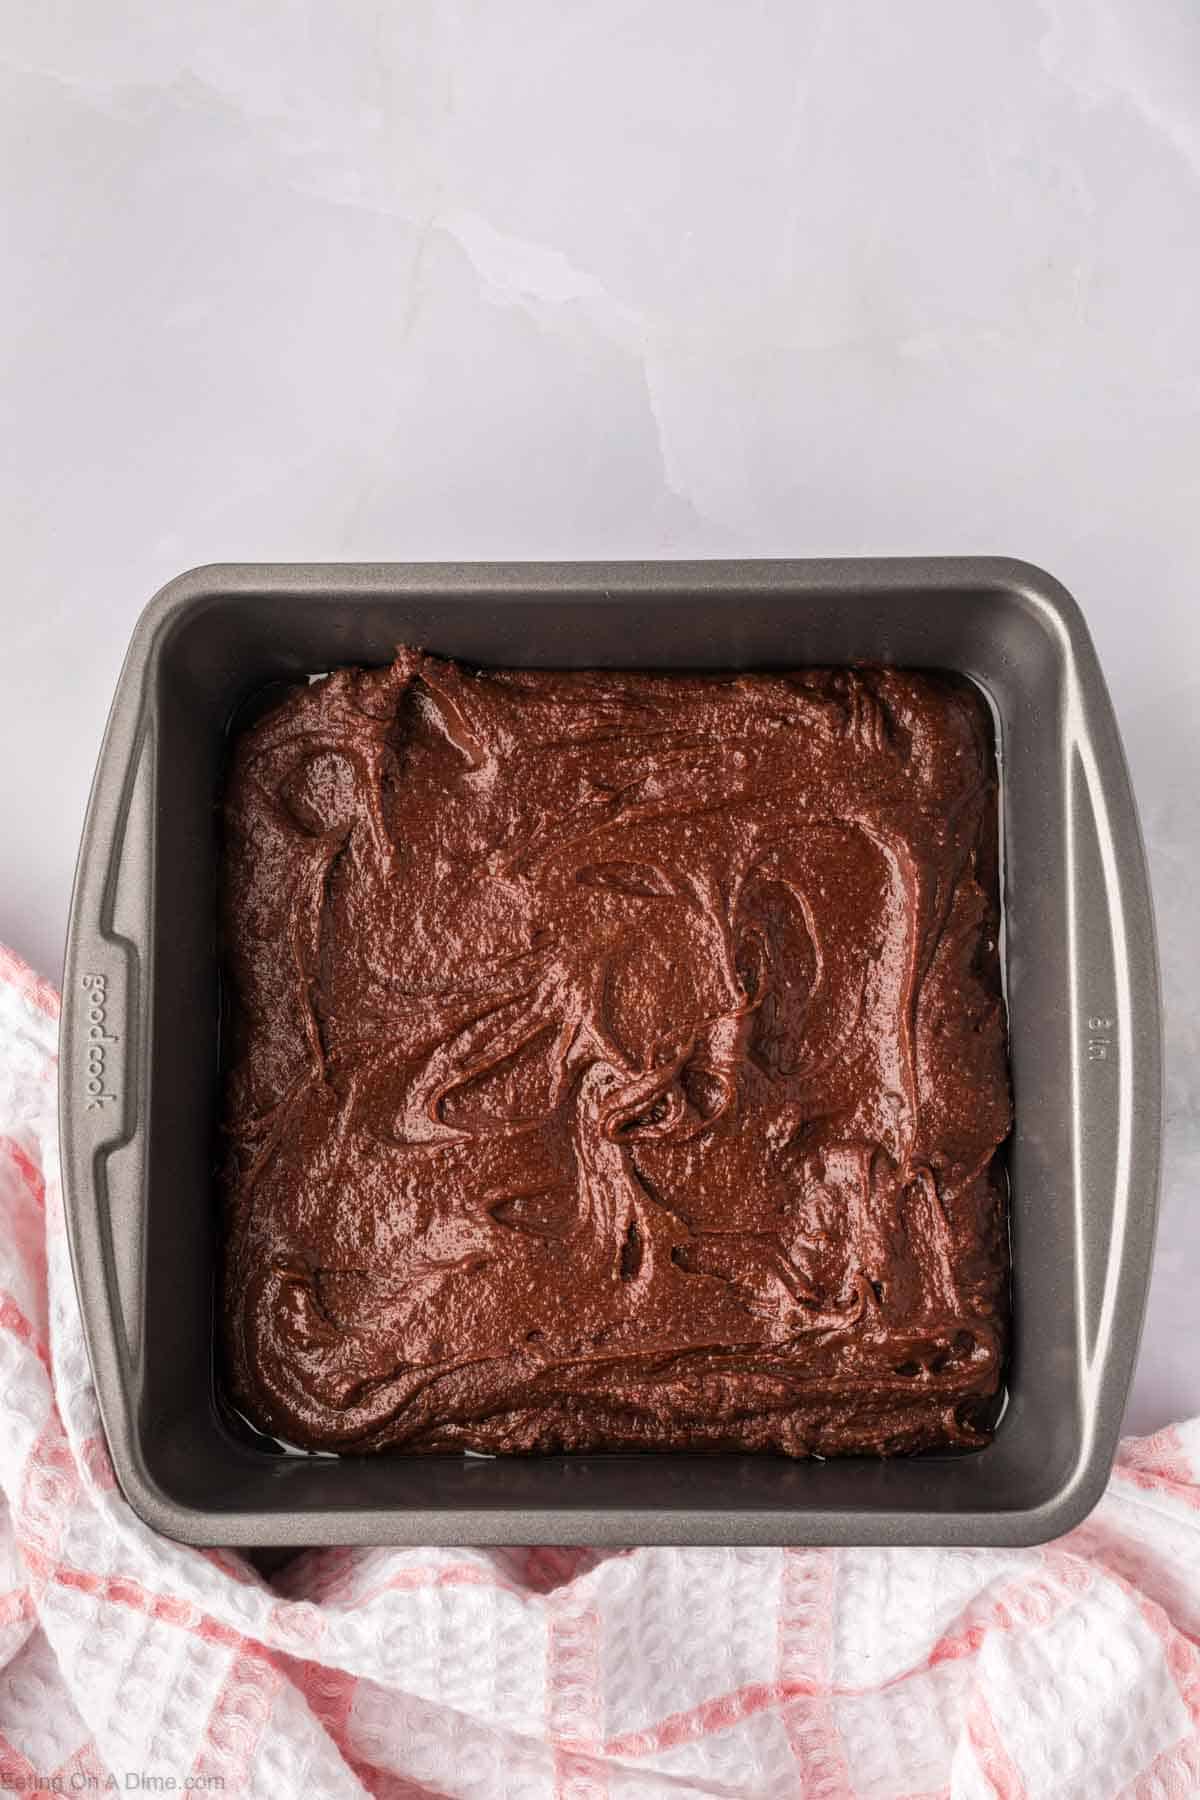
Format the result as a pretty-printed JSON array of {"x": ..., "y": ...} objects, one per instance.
[{"x": 229, "y": 635}]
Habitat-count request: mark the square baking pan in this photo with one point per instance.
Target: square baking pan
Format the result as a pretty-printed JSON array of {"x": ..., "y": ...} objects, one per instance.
[{"x": 140, "y": 1063}]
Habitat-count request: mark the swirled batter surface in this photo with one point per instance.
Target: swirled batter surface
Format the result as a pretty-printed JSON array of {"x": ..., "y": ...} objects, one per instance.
[{"x": 617, "y": 1061}]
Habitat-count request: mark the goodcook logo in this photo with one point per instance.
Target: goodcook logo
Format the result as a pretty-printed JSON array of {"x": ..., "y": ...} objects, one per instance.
[{"x": 98, "y": 1040}]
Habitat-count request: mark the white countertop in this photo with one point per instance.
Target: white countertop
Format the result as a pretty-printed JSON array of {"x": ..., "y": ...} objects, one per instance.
[{"x": 642, "y": 279}]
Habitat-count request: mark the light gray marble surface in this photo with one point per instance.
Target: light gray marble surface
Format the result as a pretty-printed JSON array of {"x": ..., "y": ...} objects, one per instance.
[{"x": 653, "y": 277}]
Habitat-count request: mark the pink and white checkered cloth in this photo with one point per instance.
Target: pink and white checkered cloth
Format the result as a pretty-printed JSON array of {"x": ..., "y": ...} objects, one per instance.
[{"x": 128, "y": 1663}]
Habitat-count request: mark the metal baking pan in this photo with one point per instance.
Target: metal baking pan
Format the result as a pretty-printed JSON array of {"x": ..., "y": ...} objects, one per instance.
[{"x": 139, "y": 1046}]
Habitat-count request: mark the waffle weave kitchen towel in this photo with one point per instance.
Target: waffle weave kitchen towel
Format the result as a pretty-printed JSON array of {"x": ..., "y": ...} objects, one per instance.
[{"x": 132, "y": 1664}]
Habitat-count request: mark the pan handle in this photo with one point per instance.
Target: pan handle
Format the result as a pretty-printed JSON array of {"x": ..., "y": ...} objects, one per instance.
[
  {"x": 1116, "y": 1036},
  {"x": 104, "y": 1041}
]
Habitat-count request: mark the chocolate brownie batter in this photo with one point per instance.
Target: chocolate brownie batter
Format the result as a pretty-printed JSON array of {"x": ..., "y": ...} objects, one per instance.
[{"x": 616, "y": 1061}]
